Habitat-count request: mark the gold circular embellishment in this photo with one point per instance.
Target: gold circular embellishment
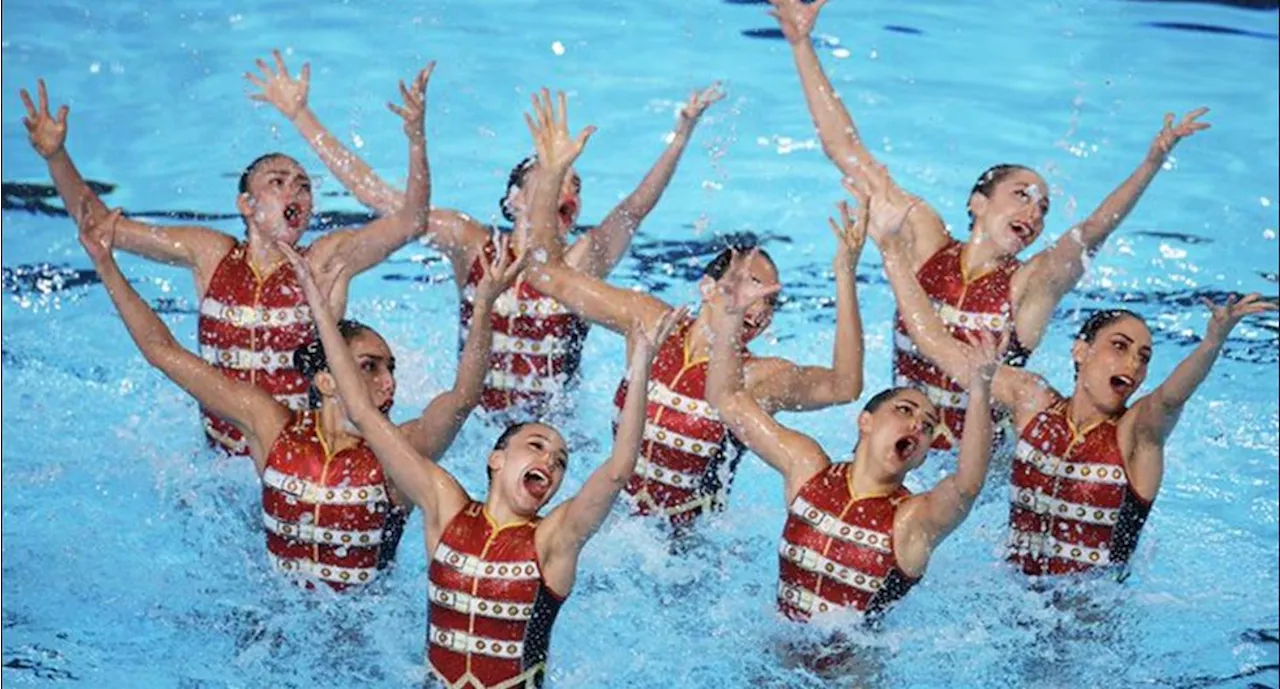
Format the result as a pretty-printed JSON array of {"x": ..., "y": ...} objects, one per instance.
[
  {"x": 453, "y": 559},
  {"x": 326, "y": 572},
  {"x": 1062, "y": 509},
  {"x": 1117, "y": 474},
  {"x": 327, "y": 535},
  {"x": 1071, "y": 469},
  {"x": 226, "y": 357},
  {"x": 442, "y": 637},
  {"x": 344, "y": 576},
  {"x": 519, "y": 344},
  {"x": 657, "y": 472},
  {"x": 679, "y": 442},
  {"x": 1093, "y": 556},
  {"x": 346, "y": 494},
  {"x": 528, "y": 569},
  {"x": 822, "y": 607},
  {"x": 859, "y": 535},
  {"x": 364, "y": 576},
  {"x": 346, "y": 538},
  {"x": 480, "y": 645},
  {"x": 1098, "y": 514},
  {"x": 484, "y": 607},
  {"x": 677, "y": 479},
  {"x": 830, "y": 567},
  {"x": 502, "y": 571},
  {"x": 844, "y": 531},
  {"x": 488, "y": 569},
  {"x": 1075, "y": 552},
  {"x": 1057, "y": 548},
  {"x": 329, "y": 495},
  {"x": 676, "y": 400},
  {"x": 536, "y": 347},
  {"x": 513, "y": 610},
  {"x": 364, "y": 494},
  {"x": 964, "y": 318},
  {"x": 1086, "y": 471},
  {"x": 1080, "y": 511},
  {"x": 662, "y": 435},
  {"x": 697, "y": 447},
  {"x": 813, "y": 514}
]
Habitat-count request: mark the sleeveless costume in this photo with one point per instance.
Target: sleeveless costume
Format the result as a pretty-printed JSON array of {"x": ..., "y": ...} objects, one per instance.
[
  {"x": 537, "y": 347},
  {"x": 688, "y": 457},
  {"x": 490, "y": 612},
  {"x": 327, "y": 515},
  {"x": 249, "y": 327},
  {"x": 837, "y": 550},
  {"x": 966, "y": 307},
  {"x": 1072, "y": 508}
]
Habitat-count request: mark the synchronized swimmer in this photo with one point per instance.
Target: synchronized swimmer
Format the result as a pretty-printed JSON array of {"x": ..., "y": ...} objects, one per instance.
[{"x": 281, "y": 377}]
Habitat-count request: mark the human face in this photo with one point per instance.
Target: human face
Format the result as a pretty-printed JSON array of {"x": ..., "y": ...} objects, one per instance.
[
  {"x": 1013, "y": 215},
  {"x": 529, "y": 470},
  {"x": 377, "y": 368},
  {"x": 760, "y": 314},
  {"x": 568, "y": 206},
  {"x": 279, "y": 199},
  {"x": 1114, "y": 365},
  {"x": 899, "y": 432}
]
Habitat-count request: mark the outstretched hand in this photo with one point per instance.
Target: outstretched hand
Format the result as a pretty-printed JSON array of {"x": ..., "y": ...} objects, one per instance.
[
  {"x": 306, "y": 277},
  {"x": 97, "y": 228},
  {"x": 1224, "y": 318},
  {"x": 737, "y": 290},
  {"x": 414, "y": 110},
  {"x": 1171, "y": 133},
  {"x": 47, "y": 133},
  {"x": 985, "y": 353},
  {"x": 550, "y": 129},
  {"x": 796, "y": 18},
  {"x": 699, "y": 101},
  {"x": 851, "y": 232},
  {"x": 887, "y": 205},
  {"x": 499, "y": 272},
  {"x": 644, "y": 342},
  {"x": 287, "y": 94}
]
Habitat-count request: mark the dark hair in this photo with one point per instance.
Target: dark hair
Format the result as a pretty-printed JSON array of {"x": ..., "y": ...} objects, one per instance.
[
  {"x": 883, "y": 396},
  {"x": 310, "y": 359},
  {"x": 994, "y": 175},
  {"x": 1101, "y": 319},
  {"x": 515, "y": 180},
  {"x": 252, "y": 167},
  {"x": 720, "y": 264}
]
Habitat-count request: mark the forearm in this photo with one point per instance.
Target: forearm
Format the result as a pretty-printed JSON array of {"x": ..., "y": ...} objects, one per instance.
[
  {"x": 71, "y": 185},
  {"x": 847, "y": 357},
  {"x": 724, "y": 370},
  {"x": 923, "y": 324},
  {"x": 351, "y": 171},
  {"x": 836, "y": 130},
  {"x": 544, "y": 221},
  {"x": 626, "y": 441},
  {"x": 1174, "y": 392},
  {"x": 473, "y": 364},
  {"x": 149, "y": 333},
  {"x": 1107, "y": 217},
  {"x": 975, "y": 444}
]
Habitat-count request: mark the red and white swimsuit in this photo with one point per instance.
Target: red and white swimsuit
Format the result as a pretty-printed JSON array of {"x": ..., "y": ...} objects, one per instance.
[
  {"x": 1072, "y": 507},
  {"x": 327, "y": 515},
  {"x": 966, "y": 307},
  {"x": 537, "y": 347},
  {"x": 688, "y": 457},
  {"x": 490, "y": 612},
  {"x": 249, "y": 327},
  {"x": 837, "y": 549}
]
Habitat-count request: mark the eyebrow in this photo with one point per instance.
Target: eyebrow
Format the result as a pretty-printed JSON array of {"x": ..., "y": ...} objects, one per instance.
[{"x": 1126, "y": 337}]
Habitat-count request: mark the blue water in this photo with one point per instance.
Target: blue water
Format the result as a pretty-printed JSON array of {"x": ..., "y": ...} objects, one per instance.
[{"x": 132, "y": 557}]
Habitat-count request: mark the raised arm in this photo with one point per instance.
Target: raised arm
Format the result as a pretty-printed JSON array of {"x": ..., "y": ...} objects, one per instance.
[
  {"x": 354, "y": 251},
  {"x": 1154, "y": 417},
  {"x": 575, "y": 521},
  {"x": 1024, "y": 393},
  {"x": 796, "y": 456},
  {"x": 191, "y": 247},
  {"x": 602, "y": 248},
  {"x": 418, "y": 478},
  {"x": 253, "y": 411},
  {"x": 433, "y": 432},
  {"x": 589, "y": 297},
  {"x": 795, "y": 388},
  {"x": 1055, "y": 271},
  {"x": 934, "y": 515},
  {"x": 451, "y": 232}
]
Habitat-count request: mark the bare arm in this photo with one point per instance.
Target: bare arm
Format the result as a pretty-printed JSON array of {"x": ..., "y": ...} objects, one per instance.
[
  {"x": 1155, "y": 416},
  {"x": 253, "y": 411},
  {"x": 433, "y": 432},
  {"x": 418, "y": 478},
  {"x": 574, "y": 522},
  {"x": 1056, "y": 270},
  {"x": 606, "y": 243},
  {"x": 796, "y": 456},
  {"x": 190, "y": 247},
  {"x": 798, "y": 388},
  {"x": 589, "y": 297}
]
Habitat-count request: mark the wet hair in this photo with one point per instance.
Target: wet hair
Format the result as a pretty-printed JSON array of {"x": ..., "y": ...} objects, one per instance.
[
  {"x": 253, "y": 167},
  {"x": 994, "y": 175},
  {"x": 882, "y": 397},
  {"x": 515, "y": 181},
  {"x": 1099, "y": 320},
  {"x": 310, "y": 359}
]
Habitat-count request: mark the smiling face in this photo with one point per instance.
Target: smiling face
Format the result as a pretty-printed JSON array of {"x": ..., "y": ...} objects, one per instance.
[
  {"x": 528, "y": 467},
  {"x": 897, "y": 430},
  {"x": 1010, "y": 211},
  {"x": 275, "y": 198},
  {"x": 1113, "y": 365}
]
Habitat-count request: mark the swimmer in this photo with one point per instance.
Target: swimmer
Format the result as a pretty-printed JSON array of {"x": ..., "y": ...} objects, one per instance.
[
  {"x": 537, "y": 343},
  {"x": 855, "y": 540},
  {"x": 498, "y": 573},
  {"x": 1088, "y": 466},
  {"x": 979, "y": 284},
  {"x": 329, "y": 513},
  {"x": 688, "y": 458},
  {"x": 252, "y": 318}
]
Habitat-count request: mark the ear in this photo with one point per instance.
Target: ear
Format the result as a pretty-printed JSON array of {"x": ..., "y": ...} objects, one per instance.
[
  {"x": 496, "y": 459},
  {"x": 325, "y": 383},
  {"x": 706, "y": 286},
  {"x": 978, "y": 204},
  {"x": 1078, "y": 351},
  {"x": 864, "y": 423},
  {"x": 244, "y": 204}
]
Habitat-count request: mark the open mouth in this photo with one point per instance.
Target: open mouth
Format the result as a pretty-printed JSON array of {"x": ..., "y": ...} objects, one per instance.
[
  {"x": 905, "y": 447},
  {"x": 1023, "y": 230},
  {"x": 385, "y": 407},
  {"x": 1122, "y": 385},
  {"x": 293, "y": 215},
  {"x": 537, "y": 482},
  {"x": 567, "y": 209}
]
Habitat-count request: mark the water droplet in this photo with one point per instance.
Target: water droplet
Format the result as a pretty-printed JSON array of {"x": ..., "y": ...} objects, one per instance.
[
  {"x": 840, "y": 53},
  {"x": 557, "y": 47},
  {"x": 1266, "y": 202}
]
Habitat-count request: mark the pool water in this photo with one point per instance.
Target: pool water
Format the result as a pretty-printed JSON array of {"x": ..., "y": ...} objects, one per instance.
[{"x": 132, "y": 556}]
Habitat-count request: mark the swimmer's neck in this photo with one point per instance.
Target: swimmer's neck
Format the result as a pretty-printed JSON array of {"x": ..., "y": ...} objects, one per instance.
[
  {"x": 865, "y": 480},
  {"x": 261, "y": 252},
  {"x": 501, "y": 513},
  {"x": 980, "y": 255},
  {"x": 1083, "y": 412},
  {"x": 336, "y": 429}
]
